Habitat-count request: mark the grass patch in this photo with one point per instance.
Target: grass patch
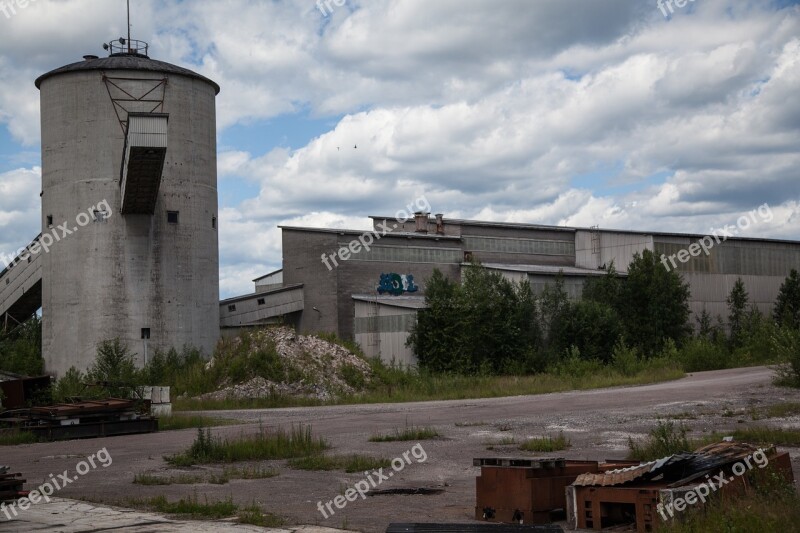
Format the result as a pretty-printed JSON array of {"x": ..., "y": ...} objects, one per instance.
[
  {"x": 256, "y": 472},
  {"x": 253, "y": 515},
  {"x": 686, "y": 415},
  {"x": 546, "y": 444},
  {"x": 191, "y": 421},
  {"x": 348, "y": 463},
  {"x": 773, "y": 506},
  {"x": 763, "y": 435},
  {"x": 409, "y": 433},
  {"x": 505, "y": 441},
  {"x": 14, "y": 437},
  {"x": 667, "y": 438},
  {"x": 263, "y": 445},
  {"x": 189, "y": 507},
  {"x": 395, "y": 385},
  {"x": 220, "y": 478},
  {"x": 181, "y": 479},
  {"x": 782, "y": 410}
]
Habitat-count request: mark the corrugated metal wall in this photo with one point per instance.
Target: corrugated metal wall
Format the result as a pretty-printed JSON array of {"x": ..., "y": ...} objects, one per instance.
[{"x": 382, "y": 330}]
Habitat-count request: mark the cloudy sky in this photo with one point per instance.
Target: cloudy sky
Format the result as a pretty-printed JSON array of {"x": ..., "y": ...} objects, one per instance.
[{"x": 567, "y": 112}]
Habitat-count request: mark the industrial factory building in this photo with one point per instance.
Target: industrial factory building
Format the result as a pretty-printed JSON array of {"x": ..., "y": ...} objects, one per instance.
[
  {"x": 331, "y": 282},
  {"x": 128, "y": 246}
]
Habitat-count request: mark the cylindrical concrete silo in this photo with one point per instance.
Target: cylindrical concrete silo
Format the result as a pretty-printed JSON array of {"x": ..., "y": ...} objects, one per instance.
[{"x": 129, "y": 197}]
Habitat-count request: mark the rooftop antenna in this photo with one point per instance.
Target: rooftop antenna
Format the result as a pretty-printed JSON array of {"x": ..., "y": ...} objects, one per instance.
[{"x": 129, "y": 26}]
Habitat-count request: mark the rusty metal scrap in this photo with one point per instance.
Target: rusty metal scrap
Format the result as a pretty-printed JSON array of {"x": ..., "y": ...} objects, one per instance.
[{"x": 680, "y": 468}]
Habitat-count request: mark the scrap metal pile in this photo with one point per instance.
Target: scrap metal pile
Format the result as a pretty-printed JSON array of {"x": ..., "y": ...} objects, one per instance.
[
  {"x": 638, "y": 495},
  {"x": 10, "y": 485},
  {"x": 597, "y": 495},
  {"x": 88, "y": 418}
]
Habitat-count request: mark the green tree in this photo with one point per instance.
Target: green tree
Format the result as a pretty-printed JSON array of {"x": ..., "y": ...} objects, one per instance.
[
  {"x": 553, "y": 301},
  {"x": 437, "y": 328},
  {"x": 653, "y": 305},
  {"x": 604, "y": 289},
  {"x": 486, "y": 324},
  {"x": 593, "y": 327},
  {"x": 497, "y": 324},
  {"x": 21, "y": 349},
  {"x": 705, "y": 329},
  {"x": 787, "y": 305},
  {"x": 114, "y": 368},
  {"x": 737, "y": 308}
]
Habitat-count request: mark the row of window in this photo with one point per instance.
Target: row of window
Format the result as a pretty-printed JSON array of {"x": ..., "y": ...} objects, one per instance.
[
  {"x": 518, "y": 246},
  {"x": 409, "y": 254},
  {"x": 728, "y": 258},
  {"x": 384, "y": 324},
  {"x": 173, "y": 217},
  {"x": 261, "y": 301}
]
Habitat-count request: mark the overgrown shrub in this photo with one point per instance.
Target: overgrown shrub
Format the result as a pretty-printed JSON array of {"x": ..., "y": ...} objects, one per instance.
[
  {"x": 625, "y": 360},
  {"x": 700, "y": 354},
  {"x": 21, "y": 349},
  {"x": 786, "y": 345},
  {"x": 667, "y": 438}
]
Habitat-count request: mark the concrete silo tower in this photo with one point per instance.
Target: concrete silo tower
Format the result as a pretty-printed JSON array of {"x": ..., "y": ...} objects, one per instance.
[{"x": 129, "y": 198}]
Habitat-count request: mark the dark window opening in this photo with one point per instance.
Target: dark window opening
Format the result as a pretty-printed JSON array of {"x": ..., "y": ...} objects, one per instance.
[
  {"x": 49, "y": 221},
  {"x": 172, "y": 217},
  {"x": 261, "y": 301},
  {"x": 145, "y": 333},
  {"x": 232, "y": 308},
  {"x": 100, "y": 216},
  {"x": 214, "y": 222}
]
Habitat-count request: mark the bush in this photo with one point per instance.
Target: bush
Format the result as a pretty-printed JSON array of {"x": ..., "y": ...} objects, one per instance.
[
  {"x": 665, "y": 439},
  {"x": 626, "y": 360},
  {"x": 71, "y": 385},
  {"x": 21, "y": 349},
  {"x": 593, "y": 327},
  {"x": 700, "y": 354},
  {"x": 786, "y": 345},
  {"x": 573, "y": 365},
  {"x": 114, "y": 368}
]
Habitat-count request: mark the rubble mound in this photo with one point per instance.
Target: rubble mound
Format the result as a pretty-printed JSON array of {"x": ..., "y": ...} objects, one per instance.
[{"x": 307, "y": 366}]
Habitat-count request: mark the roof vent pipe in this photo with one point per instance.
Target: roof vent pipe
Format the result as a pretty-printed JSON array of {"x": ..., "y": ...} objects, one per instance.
[
  {"x": 422, "y": 222},
  {"x": 439, "y": 224}
]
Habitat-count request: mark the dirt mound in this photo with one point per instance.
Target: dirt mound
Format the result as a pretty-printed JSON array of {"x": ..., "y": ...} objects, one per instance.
[{"x": 309, "y": 366}]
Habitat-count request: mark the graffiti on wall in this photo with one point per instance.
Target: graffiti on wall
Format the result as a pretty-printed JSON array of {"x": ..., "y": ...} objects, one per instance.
[{"x": 396, "y": 284}]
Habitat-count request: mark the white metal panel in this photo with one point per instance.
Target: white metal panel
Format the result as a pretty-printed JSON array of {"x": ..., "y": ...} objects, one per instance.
[{"x": 147, "y": 131}]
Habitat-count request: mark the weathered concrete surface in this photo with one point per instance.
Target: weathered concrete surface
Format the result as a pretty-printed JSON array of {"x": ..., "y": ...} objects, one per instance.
[
  {"x": 69, "y": 516},
  {"x": 598, "y": 423}
]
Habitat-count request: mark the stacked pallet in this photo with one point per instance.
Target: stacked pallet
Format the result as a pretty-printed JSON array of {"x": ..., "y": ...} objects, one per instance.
[
  {"x": 10, "y": 485},
  {"x": 83, "y": 419}
]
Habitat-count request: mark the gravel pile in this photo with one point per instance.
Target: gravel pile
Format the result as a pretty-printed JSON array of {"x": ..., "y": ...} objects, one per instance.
[{"x": 314, "y": 368}]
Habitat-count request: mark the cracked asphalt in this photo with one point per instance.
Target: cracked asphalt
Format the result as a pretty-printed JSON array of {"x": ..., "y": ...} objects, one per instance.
[{"x": 597, "y": 422}]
